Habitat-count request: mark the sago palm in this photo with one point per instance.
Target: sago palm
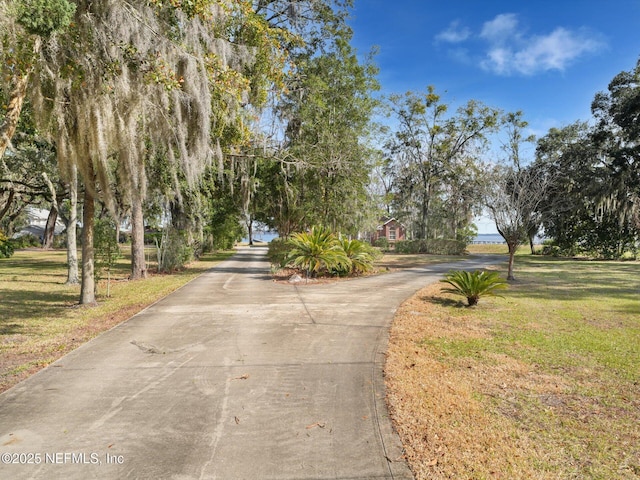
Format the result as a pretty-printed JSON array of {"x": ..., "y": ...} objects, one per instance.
[
  {"x": 317, "y": 251},
  {"x": 474, "y": 285},
  {"x": 361, "y": 255}
]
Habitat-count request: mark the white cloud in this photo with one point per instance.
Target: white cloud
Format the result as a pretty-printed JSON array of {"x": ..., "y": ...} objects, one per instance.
[
  {"x": 501, "y": 29},
  {"x": 510, "y": 51},
  {"x": 554, "y": 51},
  {"x": 454, "y": 34}
]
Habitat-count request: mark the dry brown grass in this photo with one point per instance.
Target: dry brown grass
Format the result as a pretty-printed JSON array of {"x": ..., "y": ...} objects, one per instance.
[
  {"x": 471, "y": 399},
  {"x": 446, "y": 430}
]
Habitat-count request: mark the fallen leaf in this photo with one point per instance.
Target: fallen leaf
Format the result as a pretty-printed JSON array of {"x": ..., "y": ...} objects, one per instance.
[{"x": 317, "y": 424}]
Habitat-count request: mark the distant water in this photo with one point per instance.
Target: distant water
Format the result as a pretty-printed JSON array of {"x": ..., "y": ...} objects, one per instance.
[
  {"x": 488, "y": 238},
  {"x": 480, "y": 238},
  {"x": 261, "y": 237}
]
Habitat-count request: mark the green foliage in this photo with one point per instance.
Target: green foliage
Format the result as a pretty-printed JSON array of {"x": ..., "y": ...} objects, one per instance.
[
  {"x": 26, "y": 241},
  {"x": 43, "y": 17},
  {"x": 436, "y": 169},
  {"x": 6, "y": 246},
  {"x": 593, "y": 205},
  {"x": 173, "y": 251},
  {"x": 325, "y": 134},
  {"x": 320, "y": 251},
  {"x": 549, "y": 249},
  {"x": 223, "y": 235},
  {"x": 317, "y": 251},
  {"x": 382, "y": 242},
  {"x": 435, "y": 246},
  {"x": 474, "y": 285},
  {"x": 467, "y": 234},
  {"x": 278, "y": 252},
  {"x": 106, "y": 249},
  {"x": 360, "y": 254}
]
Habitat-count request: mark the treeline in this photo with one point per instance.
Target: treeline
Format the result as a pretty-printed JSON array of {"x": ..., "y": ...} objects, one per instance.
[
  {"x": 578, "y": 186},
  {"x": 200, "y": 118},
  {"x": 197, "y": 118}
]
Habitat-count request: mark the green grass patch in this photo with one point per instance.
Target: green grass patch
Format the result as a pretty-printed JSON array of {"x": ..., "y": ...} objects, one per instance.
[{"x": 41, "y": 319}]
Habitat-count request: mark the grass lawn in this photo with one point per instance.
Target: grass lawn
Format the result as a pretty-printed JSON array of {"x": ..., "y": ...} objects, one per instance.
[
  {"x": 40, "y": 319},
  {"x": 541, "y": 384}
]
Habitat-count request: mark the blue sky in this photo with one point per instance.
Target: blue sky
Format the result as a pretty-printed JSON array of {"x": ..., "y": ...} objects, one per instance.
[{"x": 546, "y": 58}]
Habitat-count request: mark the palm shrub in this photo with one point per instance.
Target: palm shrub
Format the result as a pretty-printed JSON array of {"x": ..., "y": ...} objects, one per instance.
[
  {"x": 360, "y": 254},
  {"x": 317, "y": 251},
  {"x": 474, "y": 285}
]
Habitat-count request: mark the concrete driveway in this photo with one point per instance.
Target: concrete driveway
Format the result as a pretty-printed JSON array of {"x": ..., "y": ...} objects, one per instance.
[{"x": 231, "y": 377}]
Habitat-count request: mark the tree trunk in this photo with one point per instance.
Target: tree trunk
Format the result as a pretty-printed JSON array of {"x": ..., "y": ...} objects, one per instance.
[
  {"x": 138, "y": 264},
  {"x": 250, "y": 229},
  {"x": 7, "y": 206},
  {"x": 512, "y": 251},
  {"x": 72, "y": 249},
  {"x": 88, "y": 287},
  {"x": 50, "y": 228},
  {"x": 531, "y": 244}
]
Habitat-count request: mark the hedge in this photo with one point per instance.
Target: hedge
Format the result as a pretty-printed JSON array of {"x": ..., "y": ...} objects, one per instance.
[{"x": 436, "y": 246}]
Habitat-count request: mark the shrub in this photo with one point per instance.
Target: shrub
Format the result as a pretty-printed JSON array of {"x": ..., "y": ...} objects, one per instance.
[
  {"x": 360, "y": 254},
  {"x": 107, "y": 250},
  {"x": 222, "y": 233},
  {"x": 278, "y": 253},
  {"x": 6, "y": 246},
  {"x": 316, "y": 252},
  {"x": 382, "y": 242},
  {"x": 173, "y": 250},
  {"x": 153, "y": 237},
  {"x": 26, "y": 241},
  {"x": 474, "y": 285},
  {"x": 435, "y": 246}
]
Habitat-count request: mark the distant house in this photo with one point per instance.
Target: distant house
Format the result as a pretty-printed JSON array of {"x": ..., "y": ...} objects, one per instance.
[
  {"x": 37, "y": 221},
  {"x": 390, "y": 229}
]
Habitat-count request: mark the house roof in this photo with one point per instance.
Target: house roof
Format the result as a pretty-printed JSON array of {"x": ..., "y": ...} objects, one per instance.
[{"x": 387, "y": 221}]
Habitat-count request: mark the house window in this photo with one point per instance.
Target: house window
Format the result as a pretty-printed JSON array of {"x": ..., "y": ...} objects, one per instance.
[{"x": 392, "y": 233}]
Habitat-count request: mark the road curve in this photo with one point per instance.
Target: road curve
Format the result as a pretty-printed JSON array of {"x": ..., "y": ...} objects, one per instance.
[{"x": 231, "y": 377}]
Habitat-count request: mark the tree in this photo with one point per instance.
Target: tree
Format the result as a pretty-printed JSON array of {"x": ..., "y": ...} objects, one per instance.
[
  {"x": 515, "y": 192},
  {"x": 617, "y": 138},
  {"x": 320, "y": 173},
  {"x": 514, "y": 126},
  {"x": 566, "y": 157},
  {"x": 27, "y": 173},
  {"x": 430, "y": 148},
  {"x": 95, "y": 82},
  {"x": 106, "y": 248},
  {"x": 511, "y": 198},
  {"x": 25, "y": 24},
  {"x": 593, "y": 205}
]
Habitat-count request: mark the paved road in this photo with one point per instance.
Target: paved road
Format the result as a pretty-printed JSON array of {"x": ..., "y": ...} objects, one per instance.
[{"x": 231, "y": 377}]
